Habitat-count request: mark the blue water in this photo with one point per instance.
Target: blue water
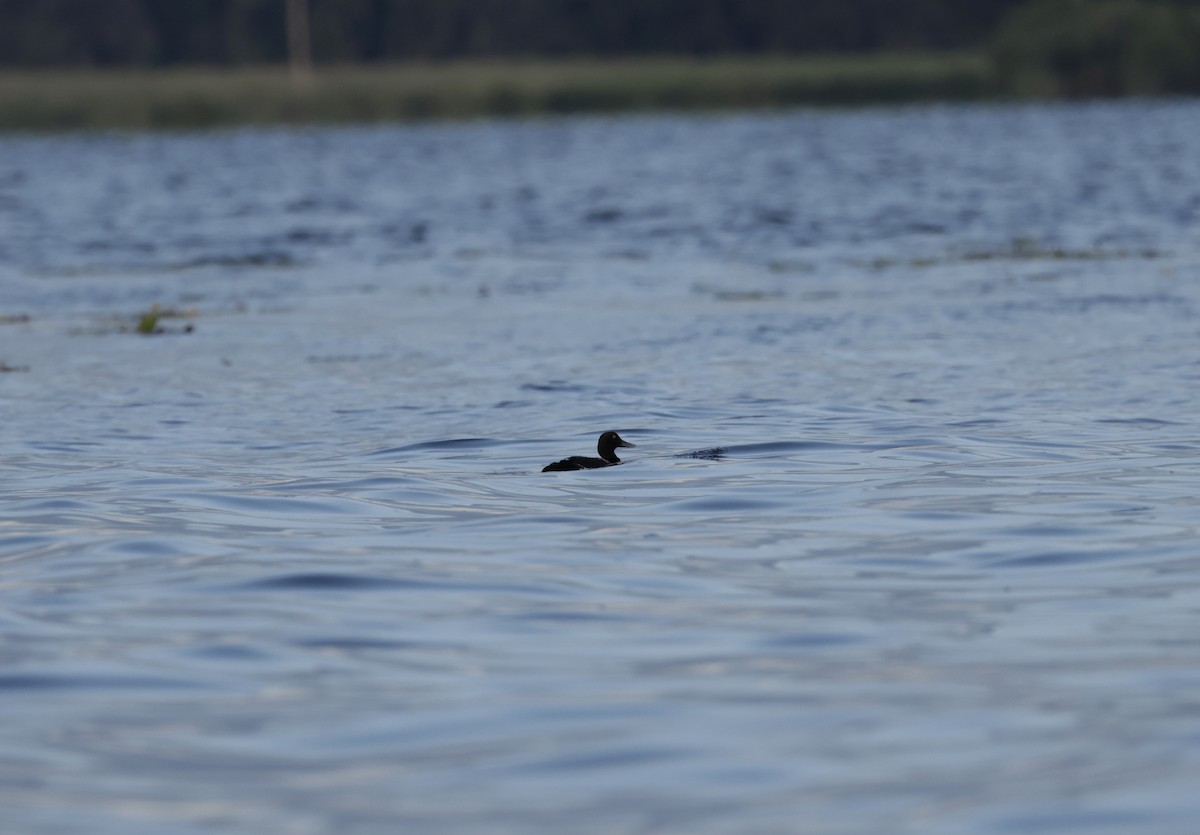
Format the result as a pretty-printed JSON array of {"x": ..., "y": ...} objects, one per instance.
[{"x": 908, "y": 543}]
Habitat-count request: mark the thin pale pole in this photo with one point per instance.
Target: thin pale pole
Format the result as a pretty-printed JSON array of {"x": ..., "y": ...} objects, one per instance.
[{"x": 299, "y": 43}]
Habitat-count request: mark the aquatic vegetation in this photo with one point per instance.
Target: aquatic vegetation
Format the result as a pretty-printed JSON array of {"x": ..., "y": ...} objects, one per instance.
[
  {"x": 149, "y": 322},
  {"x": 192, "y": 98},
  {"x": 737, "y": 294},
  {"x": 1019, "y": 249},
  {"x": 1030, "y": 249}
]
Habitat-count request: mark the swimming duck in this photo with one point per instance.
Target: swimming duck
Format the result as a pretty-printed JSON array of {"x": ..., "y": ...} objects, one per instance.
[{"x": 606, "y": 446}]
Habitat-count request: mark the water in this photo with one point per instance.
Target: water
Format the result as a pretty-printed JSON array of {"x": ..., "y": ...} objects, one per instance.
[{"x": 908, "y": 542}]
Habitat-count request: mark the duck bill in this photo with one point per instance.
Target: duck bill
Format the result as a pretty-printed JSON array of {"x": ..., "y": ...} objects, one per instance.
[{"x": 623, "y": 442}]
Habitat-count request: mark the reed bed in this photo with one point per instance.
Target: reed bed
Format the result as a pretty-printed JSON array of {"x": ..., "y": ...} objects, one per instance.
[{"x": 207, "y": 97}]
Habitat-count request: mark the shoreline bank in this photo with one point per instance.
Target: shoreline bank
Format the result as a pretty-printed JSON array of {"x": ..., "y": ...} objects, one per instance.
[{"x": 203, "y": 97}]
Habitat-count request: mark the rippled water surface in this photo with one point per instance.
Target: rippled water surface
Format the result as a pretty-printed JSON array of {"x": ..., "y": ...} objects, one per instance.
[{"x": 908, "y": 542}]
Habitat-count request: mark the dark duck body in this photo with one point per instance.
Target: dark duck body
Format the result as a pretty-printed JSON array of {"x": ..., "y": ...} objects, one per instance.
[{"x": 606, "y": 446}]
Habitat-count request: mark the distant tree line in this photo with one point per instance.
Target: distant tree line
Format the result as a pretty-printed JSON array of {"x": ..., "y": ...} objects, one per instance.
[
  {"x": 149, "y": 33},
  {"x": 1077, "y": 48},
  {"x": 1037, "y": 47}
]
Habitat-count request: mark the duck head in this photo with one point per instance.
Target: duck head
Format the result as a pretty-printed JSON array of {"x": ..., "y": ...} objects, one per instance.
[{"x": 608, "y": 444}]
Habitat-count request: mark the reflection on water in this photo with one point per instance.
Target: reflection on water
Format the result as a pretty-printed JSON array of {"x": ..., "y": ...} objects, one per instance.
[{"x": 907, "y": 542}]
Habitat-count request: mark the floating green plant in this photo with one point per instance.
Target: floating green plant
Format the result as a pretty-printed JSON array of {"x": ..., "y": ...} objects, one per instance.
[{"x": 149, "y": 323}]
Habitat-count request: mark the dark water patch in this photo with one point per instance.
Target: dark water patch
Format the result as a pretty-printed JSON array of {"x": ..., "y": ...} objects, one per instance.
[
  {"x": 333, "y": 359},
  {"x": 723, "y": 504},
  {"x": 1139, "y": 421},
  {"x": 556, "y": 519},
  {"x": 731, "y": 295},
  {"x": 1098, "y": 302},
  {"x": 144, "y": 547},
  {"x": 1052, "y": 531},
  {"x": 1062, "y": 559},
  {"x": 345, "y": 582},
  {"x": 25, "y": 682},
  {"x": 775, "y": 449},
  {"x": 330, "y": 581},
  {"x": 125, "y": 435},
  {"x": 554, "y": 386},
  {"x": 266, "y": 259},
  {"x": 64, "y": 446},
  {"x": 406, "y": 233},
  {"x": 1029, "y": 249},
  {"x": 355, "y": 644},
  {"x": 570, "y": 617},
  {"x": 229, "y": 652},
  {"x": 757, "y": 400},
  {"x": 812, "y": 640},
  {"x": 448, "y": 444},
  {"x": 1103, "y": 506},
  {"x": 603, "y": 215},
  {"x": 321, "y": 202},
  {"x": 878, "y": 566},
  {"x": 314, "y": 236},
  {"x": 797, "y": 326},
  {"x": 622, "y": 758},
  {"x": 286, "y": 445},
  {"x": 1188, "y": 449}
]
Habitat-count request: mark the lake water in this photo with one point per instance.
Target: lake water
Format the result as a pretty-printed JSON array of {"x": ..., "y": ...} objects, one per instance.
[{"x": 910, "y": 540}]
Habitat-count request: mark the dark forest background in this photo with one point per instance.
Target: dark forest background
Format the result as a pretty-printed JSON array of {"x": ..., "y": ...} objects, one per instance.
[
  {"x": 156, "y": 33},
  {"x": 419, "y": 59}
]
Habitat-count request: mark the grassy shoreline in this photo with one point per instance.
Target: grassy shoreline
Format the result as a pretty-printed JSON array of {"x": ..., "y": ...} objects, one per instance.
[{"x": 65, "y": 100}]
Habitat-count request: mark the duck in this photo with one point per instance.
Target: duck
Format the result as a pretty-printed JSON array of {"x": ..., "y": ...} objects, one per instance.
[{"x": 606, "y": 446}]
